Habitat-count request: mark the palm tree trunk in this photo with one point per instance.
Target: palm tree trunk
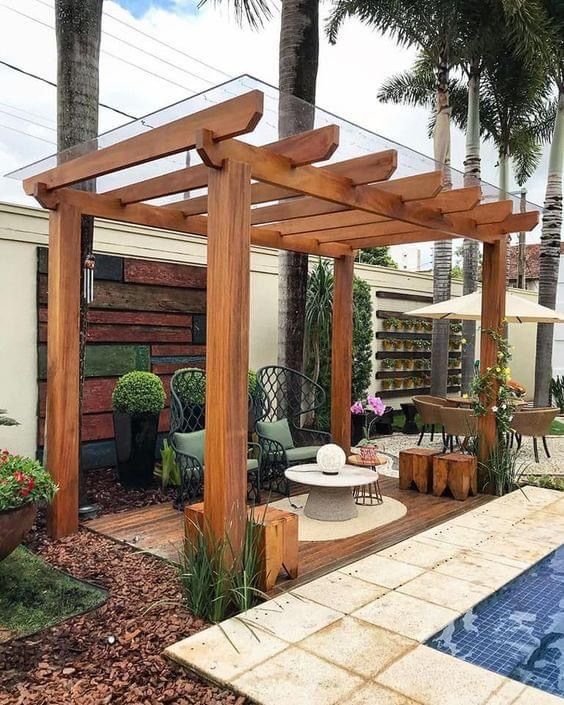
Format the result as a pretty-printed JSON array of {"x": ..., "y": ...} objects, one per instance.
[
  {"x": 470, "y": 248},
  {"x": 442, "y": 260},
  {"x": 298, "y": 62},
  {"x": 78, "y": 29},
  {"x": 550, "y": 256}
]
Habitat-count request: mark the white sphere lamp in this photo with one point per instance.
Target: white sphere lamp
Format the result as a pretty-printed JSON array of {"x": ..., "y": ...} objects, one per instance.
[{"x": 330, "y": 458}]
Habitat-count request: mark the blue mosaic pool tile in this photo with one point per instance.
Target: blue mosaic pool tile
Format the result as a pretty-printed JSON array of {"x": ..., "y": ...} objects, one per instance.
[{"x": 518, "y": 631}]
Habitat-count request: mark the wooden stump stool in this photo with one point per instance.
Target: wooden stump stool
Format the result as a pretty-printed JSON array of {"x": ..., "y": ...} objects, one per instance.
[
  {"x": 458, "y": 472},
  {"x": 416, "y": 467},
  {"x": 278, "y": 540}
]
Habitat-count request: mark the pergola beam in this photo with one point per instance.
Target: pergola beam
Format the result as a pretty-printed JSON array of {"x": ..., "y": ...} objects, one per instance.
[
  {"x": 410, "y": 188},
  {"x": 362, "y": 170},
  {"x": 228, "y": 119},
  {"x": 444, "y": 202},
  {"x": 167, "y": 219},
  {"x": 304, "y": 148},
  {"x": 269, "y": 167}
]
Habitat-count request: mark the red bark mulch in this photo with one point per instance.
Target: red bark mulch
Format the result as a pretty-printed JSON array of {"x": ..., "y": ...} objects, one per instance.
[
  {"x": 104, "y": 489},
  {"x": 111, "y": 655}
]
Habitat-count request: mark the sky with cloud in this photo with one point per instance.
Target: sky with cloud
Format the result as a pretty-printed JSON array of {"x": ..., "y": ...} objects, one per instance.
[{"x": 198, "y": 48}]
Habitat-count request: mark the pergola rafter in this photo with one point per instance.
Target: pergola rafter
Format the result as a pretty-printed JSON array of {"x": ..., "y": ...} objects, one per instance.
[{"x": 327, "y": 210}]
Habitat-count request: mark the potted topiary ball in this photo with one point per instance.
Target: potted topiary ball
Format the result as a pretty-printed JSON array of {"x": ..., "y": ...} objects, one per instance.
[{"x": 137, "y": 400}]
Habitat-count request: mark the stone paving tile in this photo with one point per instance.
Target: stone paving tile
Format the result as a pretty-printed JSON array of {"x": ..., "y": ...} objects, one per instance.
[
  {"x": 340, "y": 592},
  {"x": 516, "y": 548},
  {"x": 289, "y": 617},
  {"x": 406, "y": 615},
  {"x": 485, "y": 522},
  {"x": 456, "y": 535},
  {"x": 374, "y": 694},
  {"x": 382, "y": 571},
  {"x": 474, "y": 567},
  {"x": 556, "y": 507},
  {"x": 434, "y": 678},
  {"x": 439, "y": 589},
  {"x": 422, "y": 552},
  {"x": 357, "y": 646},
  {"x": 506, "y": 695},
  {"x": 225, "y": 652},
  {"x": 298, "y": 677},
  {"x": 533, "y": 696}
]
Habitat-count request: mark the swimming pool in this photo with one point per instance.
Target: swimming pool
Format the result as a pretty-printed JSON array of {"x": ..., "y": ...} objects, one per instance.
[{"x": 518, "y": 631}]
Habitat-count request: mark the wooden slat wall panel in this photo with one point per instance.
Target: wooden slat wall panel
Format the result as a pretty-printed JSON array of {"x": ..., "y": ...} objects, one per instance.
[
  {"x": 141, "y": 318},
  {"x": 140, "y": 297},
  {"x": 164, "y": 274}
]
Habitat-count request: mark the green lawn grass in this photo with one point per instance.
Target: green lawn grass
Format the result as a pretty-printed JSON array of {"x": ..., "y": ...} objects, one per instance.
[
  {"x": 35, "y": 595},
  {"x": 557, "y": 428}
]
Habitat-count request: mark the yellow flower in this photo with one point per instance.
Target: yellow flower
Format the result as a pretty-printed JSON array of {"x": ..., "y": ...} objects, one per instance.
[
  {"x": 498, "y": 369},
  {"x": 465, "y": 396},
  {"x": 507, "y": 370},
  {"x": 463, "y": 341}
]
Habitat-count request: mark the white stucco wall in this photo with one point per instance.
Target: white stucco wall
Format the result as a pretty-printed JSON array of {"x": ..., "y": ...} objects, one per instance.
[{"x": 23, "y": 229}]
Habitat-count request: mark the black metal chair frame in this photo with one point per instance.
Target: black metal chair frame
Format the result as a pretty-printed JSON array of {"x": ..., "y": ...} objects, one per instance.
[
  {"x": 186, "y": 418},
  {"x": 286, "y": 394},
  {"x": 512, "y": 435}
]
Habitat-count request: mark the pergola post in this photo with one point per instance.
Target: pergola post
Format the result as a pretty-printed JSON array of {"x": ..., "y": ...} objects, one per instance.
[
  {"x": 493, "y": 314},
  {"x": 229, "y": 233},
  {"x": 62, "y": 434},
  {"x": 341, "y": 352}
]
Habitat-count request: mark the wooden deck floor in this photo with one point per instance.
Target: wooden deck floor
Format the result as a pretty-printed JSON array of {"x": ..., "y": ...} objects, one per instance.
[{"x": 159, "y": 529}]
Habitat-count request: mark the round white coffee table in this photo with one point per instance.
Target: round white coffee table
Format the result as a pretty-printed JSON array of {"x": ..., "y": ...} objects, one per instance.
[{"x": 331, "y": 496}]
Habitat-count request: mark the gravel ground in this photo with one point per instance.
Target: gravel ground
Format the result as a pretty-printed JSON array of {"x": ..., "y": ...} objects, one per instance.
[
  {"x": 111, "y": 654},
  {"x": 391, "y": 445}
]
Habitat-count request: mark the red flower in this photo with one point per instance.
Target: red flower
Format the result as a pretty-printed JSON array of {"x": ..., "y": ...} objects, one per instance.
[
  {"x": 20, "y": 476},
  {"x": 25, "y": 491}
]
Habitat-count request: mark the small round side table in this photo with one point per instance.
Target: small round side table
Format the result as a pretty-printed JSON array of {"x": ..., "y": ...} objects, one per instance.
[{"x": 371, "y": 494}]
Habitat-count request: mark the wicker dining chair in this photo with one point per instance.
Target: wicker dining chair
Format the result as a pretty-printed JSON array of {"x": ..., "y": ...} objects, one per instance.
[
  {"x": 428, "y": 407},
  {"x": 536, "y": 423},
  {"x": 458, "y": 423},
  {"x": 187, "y": 437}
]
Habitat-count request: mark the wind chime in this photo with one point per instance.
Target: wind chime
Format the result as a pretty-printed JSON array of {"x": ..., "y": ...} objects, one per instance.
[{"x": 88, "y": 278}]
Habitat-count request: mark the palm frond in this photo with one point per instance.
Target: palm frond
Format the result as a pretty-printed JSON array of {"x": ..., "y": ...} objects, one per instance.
[{"x": 254, "y": 12}]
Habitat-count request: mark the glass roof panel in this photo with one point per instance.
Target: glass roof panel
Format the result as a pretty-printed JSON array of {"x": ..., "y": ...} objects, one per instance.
[{"x": 355, "y": 141}]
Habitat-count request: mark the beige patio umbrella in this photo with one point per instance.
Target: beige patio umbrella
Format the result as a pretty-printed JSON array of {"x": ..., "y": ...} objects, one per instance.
[{"x": 469, "y": 308}]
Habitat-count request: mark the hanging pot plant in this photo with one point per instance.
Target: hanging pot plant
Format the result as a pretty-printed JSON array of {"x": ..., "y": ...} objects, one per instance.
[
  {"x": 137, "y": 400},
  {"x": 387, "y": 384},
  {"x": 388, "y": 344}
]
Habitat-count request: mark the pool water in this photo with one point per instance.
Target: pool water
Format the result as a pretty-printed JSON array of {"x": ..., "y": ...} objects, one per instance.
[{"x": 519, "y": 630}]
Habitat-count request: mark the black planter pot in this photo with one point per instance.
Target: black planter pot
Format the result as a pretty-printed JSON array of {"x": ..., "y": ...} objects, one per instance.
[{"x": 135, "y": 439}]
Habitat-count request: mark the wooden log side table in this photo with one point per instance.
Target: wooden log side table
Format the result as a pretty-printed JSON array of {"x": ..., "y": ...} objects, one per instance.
[
  {"x": 368, "y": 495},
  {"x": 456, "y": 471},
  {"x": 416, "y": 468},
  {"x": 278, "y": 540}
]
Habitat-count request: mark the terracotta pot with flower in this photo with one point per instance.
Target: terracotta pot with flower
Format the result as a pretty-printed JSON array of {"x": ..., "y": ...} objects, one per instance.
[{"x": 24, "y": 483}]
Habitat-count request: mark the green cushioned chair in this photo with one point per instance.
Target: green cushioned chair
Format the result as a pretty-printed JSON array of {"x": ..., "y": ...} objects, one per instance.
[
  {"x": 187, "y": 437},
  {"x": 287, "y": 398}
]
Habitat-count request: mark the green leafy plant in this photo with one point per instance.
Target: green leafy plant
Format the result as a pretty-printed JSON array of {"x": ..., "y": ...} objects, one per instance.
[
  {"x": 6, "y": 420},
  {"x": 546, "y": 481},
  {"x": 217, "y": 583},
  {"x": 388, "y": 363},
  {"x": 253, "y": 384},
  {"x": 392, "y": 323},
  {"x": 23, "y": 480},
  {"x": 557, "y": 392},
  {"x": 168, "y": 473},
  {"x": 191, "y": 389},
  {"x": 138, "y": 393}
]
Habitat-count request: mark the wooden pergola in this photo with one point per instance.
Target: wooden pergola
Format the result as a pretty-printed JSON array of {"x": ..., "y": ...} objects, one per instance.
[{"x": 270, "y": 196}]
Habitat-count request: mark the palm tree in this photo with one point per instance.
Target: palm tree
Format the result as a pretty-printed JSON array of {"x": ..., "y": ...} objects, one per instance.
[
  {"x": 431, "y": 25},
  {"x": 298, "y": 62},
  {"x": 78, "y": 28},
  {"x": 552, "y": 215}
]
